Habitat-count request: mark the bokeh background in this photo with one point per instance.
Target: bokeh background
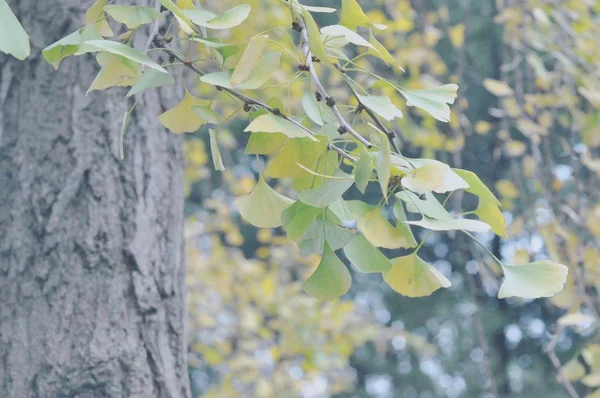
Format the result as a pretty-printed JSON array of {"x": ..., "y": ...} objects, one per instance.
[{"x": 526, "y": 120}]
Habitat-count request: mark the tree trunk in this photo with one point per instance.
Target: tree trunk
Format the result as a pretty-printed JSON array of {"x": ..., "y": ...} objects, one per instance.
[{"x": 91, "y": 247}]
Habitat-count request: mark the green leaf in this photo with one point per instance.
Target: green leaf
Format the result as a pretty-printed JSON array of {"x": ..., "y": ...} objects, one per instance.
[
  {"x": 268, "y": 64},
  {"x": 476, "y": 187},
  {"x": 265, "y": 143},
  {"x": 249, "y": 60},
  {"x": 229, "y": 19},
  {"x": 376, "y": 228},
  {"x": 182, "y": 118},
  {"x": 534, "y": 280},
  {"x": 381, "y": 52},
  {"x": 413, "y": 277},
  {"x": 132, "y": 16},
  {"x": 353, "y": 15},
  {"x": 452, "y": 224},
  {"x": 381, "y": 105},
  {"x": 328, "y": 192},
  {"x": 263, "y": 206},
  {"x": 366, "y": 257},
  {"x": 125, "y": 51},
  {"x": 318, "y": 112},
  {"x": 270, "y": 123},
  {"x": 314, "y": 38},
  {"x": 384, "y": 164},
  {"x": 322, "y": 230},
  {"x": 428, "y": 206},
  {"x": 116, "y": 71},
  {"x": 349, "y": 35},
  {"x": 363, "y": 170},
  {"x": 206, "y": 114},
  {"x": 401, "y": 224},
  {"x": 573, "y": 370},
  {"x": 215, "y": 152},
  {"x": 330, "y": 280},
  {"x": 490, "y": 213},
  {"x": 185, "y": 23},
  {"x": 151, "y": 78},
  {"x": 298, "y": 218},
  {"x": 69, "y": 45},
  {"x": 326, "y": 10},
  {"x": 434, "y": 101},
  {"x": 95, "y": 16}
]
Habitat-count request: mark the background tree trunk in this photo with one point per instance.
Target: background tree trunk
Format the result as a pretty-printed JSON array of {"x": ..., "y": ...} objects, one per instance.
[{"x": 91, "y": 247}]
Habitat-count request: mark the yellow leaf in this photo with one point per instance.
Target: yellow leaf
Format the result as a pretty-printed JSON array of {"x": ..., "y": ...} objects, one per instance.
[
  {"x": 457, "y": 35},
  {"x": 182, "y": 118},
  {"x": 489, "y": 213},
  {"x": 249, "y": 60},
  {"x": 413, "y": 277},
  {"x": 185, "y": 4},
  {"x": 497, "y": 87},
  {"x": 95, "y": 15},
  {"x": 534, "y": 280},
  {"x": 116, "y": 71},
  {"x": 376, "y": 228},
  {"x": 426, "y": 178},
  {"x": 507, "y": 189},
  {"x": 314, "y": 38},
  {"x": 352, "y": 15}
]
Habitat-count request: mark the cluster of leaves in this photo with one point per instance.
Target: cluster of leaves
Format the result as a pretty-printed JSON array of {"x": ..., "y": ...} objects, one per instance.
[
  {"x": 549, "y": 107},
  {"x": 250, "y": 327},
  {"x": 315, "y": 147}
]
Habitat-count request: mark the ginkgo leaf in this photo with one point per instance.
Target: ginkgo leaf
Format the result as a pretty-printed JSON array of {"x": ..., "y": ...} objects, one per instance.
[
  {"x": 265, "y": 143},
  {"x": 314, "y": 38},
  {"x": 268, "y": 64},
  {"x": 116, "y": 72},
  {"x": 452, "y": 181},
  {"x": 151, "y": 78},
  {"x": 69, "y": 45},
  {"x": 206, "y": 113},
  {"x": 534, "y": 280},
  {"x": 434, "y": 101},
  {"x": 349, "y": 35},
  {"x": 182, "y": 118},
  {"x": 384, "y": 165},
  {"x": 381, "y": 52},
  {"x": 132, "y": 16},
  {"x": 186, "y": 4},
  {"x": 324, "y": 229},
  {"x": 363, "y": 170},
  {"x": 426, "y": 178},
  {"x": 330, "y": 280},
  {"x": 352, "y": 15},
  {"x": 263, "y": 206},
  {"x": 490, "y": 213},
  {"x": 13, "y": 38},
  {"x": 497, "y": 87},
  {"x": 184, "y": 22},
  {"x": 452, "y": 224},
  {"x": 227, "y": 20},
  {"x": 328, "y": 192},
  {"x": 366, "y": 257},
  {"x": 95, "y": 16},
  {"x": 214, "y": 150},
  {"x": 381, "y": 105},
  {"x": 297, "y": 218},
  {"x": 249, "y": 60},
  {"x": 304, "y": 152},
  {"x": 476, "y": 187},
  {"x": 413, "y": 277},
  {"x": 116, "y": 48},
  {"x": 401, "y": 224},
  {"x": 327, "y": 10},
  {"x": 318, "y": 112},
  {"x": 591, "y": 380},
  {"x": 576, "y": 319},
  {"x": 377, "y": 228},
  {"x": 428, "y": 205},
  {"x": 270, "y": 123}
]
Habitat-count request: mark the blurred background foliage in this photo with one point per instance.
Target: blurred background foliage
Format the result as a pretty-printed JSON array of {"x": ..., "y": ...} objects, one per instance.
[{"x": 527, "y": 121}]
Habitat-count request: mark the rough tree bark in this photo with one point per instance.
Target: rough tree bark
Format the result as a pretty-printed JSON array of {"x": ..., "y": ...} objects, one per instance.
[{"x": 91, "y": 268}]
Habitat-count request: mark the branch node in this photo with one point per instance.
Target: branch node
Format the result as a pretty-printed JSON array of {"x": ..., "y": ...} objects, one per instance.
[
  {"x": 315, "y": 59},
  {"x": 330, "y": 101},
  {"x": 276, "y": 112},
  {"x": 342, "y": 130},
  {"x": 318, "y": 96},
  {"x": 247, "y": 107},
  {"x": 296, "y": 26},
  {"x": 302, "y": 66}
]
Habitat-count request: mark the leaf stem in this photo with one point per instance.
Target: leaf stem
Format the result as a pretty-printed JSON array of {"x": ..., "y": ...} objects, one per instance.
[{"x": 483, "y": 246}]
